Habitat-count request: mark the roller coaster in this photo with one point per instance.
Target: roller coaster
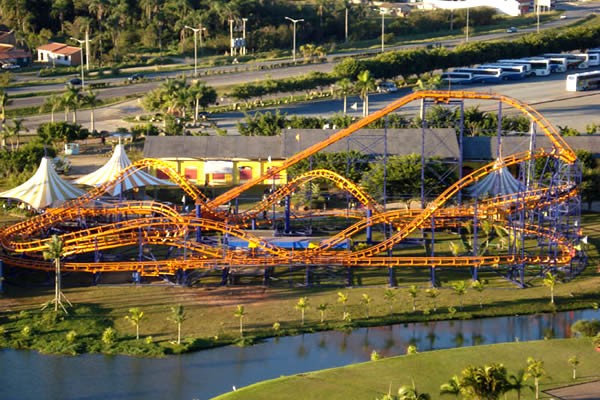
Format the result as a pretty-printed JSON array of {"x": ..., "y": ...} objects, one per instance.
[{"x": 540, "y": 223}]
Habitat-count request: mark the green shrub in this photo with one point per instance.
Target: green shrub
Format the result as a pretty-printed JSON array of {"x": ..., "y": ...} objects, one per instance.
[
  {"x": 586, "y": 328},
  {"x": 109, "y": 336}
]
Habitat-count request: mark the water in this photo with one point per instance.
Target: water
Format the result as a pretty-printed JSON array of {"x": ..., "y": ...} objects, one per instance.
[{"x": 202, "y": 375}]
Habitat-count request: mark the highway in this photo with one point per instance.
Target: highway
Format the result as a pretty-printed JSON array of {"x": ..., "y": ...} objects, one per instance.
[{"x": 572, "y": 12}]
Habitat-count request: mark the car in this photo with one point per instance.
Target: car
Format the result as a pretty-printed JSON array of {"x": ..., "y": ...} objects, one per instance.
[
  {"x": 74, "y": 82},
  {"x": 135, "y": 77},
  {"x": 512, "y": 29},
  {"x": 11, "y": 66},
  {"x": 563, "y": 16},
  {"x": 386, "y": 87}
]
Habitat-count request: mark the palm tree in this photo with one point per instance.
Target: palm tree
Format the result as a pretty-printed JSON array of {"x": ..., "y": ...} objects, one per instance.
[
  {"x": 479, "y": 286},
  {"x": 460, "y": 289},
  {"x": 178, "y": 316},
  {"x": 71, "y": 100},
  {"x": 135, "y": 318},
  {"x": 451, "y": 387},
  {"x": 302, "y": 306},
  {"x": 343, "y": 298},
  {"x": 574, "y": 362},
  {"x": 55, "y": 251},
  {"x": 390, "y": 297},
  {"x": 53, "y": 102},
  {"x": 240, "y": 313},
  {"x": 549, "y": 281},
  {"x": 535, "y": 370},
  {"x": 344, "y": 89},
  {"x": 364, "y": 85},
  {"x": 12, "y": 131},
  {"x": 4, "y": 101},
  {"x": 410, "y": 392},
  {"x": 412, "y": 292},
  {"x": 487, "y": 382},
  {"x": 92, "y": 100},
  {"x": 432, "y": 294},
  {"x": 322, "y": 308},
  {"x": 366, "y": 300},
  {"x": 517, "y": 382},
  {"x": 202, "y": 95}
]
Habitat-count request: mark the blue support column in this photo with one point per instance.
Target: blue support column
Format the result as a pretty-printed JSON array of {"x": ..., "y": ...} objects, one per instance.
[
  {"x": 287, "y": 214},
  {"x": 475, "y": 223},
  {"x": 266, "y": 276},
  {"x": 224, "y": 276},
  {"x": 391, "y": 276},
  {"x": 349, "y": 276},
  {"x": 432, "y": 268},
  {"x": 198, "y": 229},
  {"x": 460, "y": 149},
  {"x": 307, "y": 282},
  {"x": 253, "y": 224},
  {"x": 369, "y": 228}
]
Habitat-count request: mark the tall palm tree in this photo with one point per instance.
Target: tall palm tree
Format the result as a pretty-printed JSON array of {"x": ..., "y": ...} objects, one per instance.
[
  {"x": 55, "y": 251},
  {"x": 344, "y": 89},
  {"x": 4, "y": 102},
  {"x": 202, "y": 95},
  {"x": 550, "y": 281},
  {"x": 343, "y": 298},
  {"x": 71, "y": 100},
  {"x": 518, "y": 382},
  {"x": 433, "y": 293},
  {"x": 178, "y": 316},
  {"x": 240, "y": 313},
  {"x": 460, "y": 289},
  {"x": 92, "y": 100},
  {"x": 365, "y": 83},
  {"x": 410, "y": 392},
  {"x": 322, "y": 308},
  {"x": 52, "y": 102},
  {"x": 302, "y": 306},
  {"x": 412, "y": 292},
  {"x": 451, "y": 387},
  {"x": 13, "y": 131},
  {"x": 487, "y": 382},
  {"x": 366, "y": 300},
  {"x": 390, "y": 297},
  {"x": 135, "y": 318},
  {"x": 479, "y": 286},
  {"x": 535, "y": 370}
]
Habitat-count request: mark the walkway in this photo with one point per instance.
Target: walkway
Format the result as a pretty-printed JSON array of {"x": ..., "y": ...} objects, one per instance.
[{"x": 585, "y": 391}]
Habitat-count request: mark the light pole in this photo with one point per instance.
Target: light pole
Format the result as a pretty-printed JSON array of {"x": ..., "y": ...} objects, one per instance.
[
  {"x": 196, "y": 30},
  {"x": 294, "y": 21},
  {"x": 81, "y": 42},
  {"x": 244, "y": 35},
  {"x": 382, "y": 11},
  {"x": 202, "y": 30},
  {"x": 467, "y": 24},
  {"x": 231, "y": 37}
]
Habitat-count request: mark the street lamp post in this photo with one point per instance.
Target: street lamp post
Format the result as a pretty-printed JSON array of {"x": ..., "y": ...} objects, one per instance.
[
  {"x": 81, "y": 42},
  {"x": 382, "y": 11},
  {"x": 467, "y": 24},
  {"x": 231, "y": 37},
  {"x": 294, "y": 21},
  {"x": 196, "y": 30},
  {"x": 244, "y": 35}
]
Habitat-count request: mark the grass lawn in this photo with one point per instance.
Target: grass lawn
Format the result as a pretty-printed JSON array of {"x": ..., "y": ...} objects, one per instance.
[{"x": 429, "y": 370}]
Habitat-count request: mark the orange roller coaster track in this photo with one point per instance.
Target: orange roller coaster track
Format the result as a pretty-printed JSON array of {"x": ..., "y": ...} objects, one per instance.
[{"x": 152, "y": 223}]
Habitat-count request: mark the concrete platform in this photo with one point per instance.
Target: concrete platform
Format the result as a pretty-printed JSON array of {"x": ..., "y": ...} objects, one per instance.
[{"x": 584, "y": 391}]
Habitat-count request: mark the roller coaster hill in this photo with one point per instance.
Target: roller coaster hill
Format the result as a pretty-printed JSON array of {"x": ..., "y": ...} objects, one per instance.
[{"x": 517, "y": 216}]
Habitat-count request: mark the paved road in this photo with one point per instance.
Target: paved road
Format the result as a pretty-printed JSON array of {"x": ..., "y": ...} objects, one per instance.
[{"x": 572, "y": 12}]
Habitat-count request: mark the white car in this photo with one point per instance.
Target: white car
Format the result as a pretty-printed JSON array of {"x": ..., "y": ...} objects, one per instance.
[
  {"x": 10, "y": 66},
  {"x": 563, "y": 17},
  {"x": 386, "y": 87}
]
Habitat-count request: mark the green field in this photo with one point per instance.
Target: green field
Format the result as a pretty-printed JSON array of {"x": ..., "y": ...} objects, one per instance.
[{"x": 429, "y": 370}]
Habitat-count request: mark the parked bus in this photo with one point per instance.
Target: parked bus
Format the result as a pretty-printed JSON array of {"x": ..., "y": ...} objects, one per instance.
[
  {"x": 509, "y": 72},
  {"x": 538, "y": 67},
  {"x": 557, "y": 64},
  {"x": 459, "y": 78},
  {"x": 574, "y": 61},
  {"x": 526, "y": 66},
  {"x": 485, "y": 75},
  {"x": 593, "y": 59},
  {"x": 583, "y": 81}
]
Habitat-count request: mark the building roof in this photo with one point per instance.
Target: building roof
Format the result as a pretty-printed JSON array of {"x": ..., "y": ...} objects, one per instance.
[
  {"x": 59, "y": 48},
  {"x": 53, "y": 46},
  {"x": 68, "y": 50}
]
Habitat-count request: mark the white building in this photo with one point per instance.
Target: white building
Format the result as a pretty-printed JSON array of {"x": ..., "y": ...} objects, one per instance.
[
  {"x": 510, "y": 7},
  {"x": 59, "y": 54}
]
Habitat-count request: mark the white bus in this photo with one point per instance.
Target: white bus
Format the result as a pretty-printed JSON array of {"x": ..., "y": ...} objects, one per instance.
[
  {"x": 594, "y": 58},
  {"x": 557, "y": 64},
  {"x": 509, "y": 72},
  {"x": 583, "y": 81},
  {"x": 459, "y": 78},
  {"x": 574, "y": 61},
  {"x": 538, "y": 67},
  {"x": 485, "y": 75}
]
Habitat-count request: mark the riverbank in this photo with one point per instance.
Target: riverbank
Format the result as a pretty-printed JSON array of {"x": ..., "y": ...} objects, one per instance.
[{"x": 429, "y": 370}]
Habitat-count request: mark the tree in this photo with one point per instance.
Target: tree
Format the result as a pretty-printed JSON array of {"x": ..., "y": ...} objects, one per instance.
[
  {"x": 390, "y": 297},
  {"x": 535, "y": 370},
  {"x": 484, "y": 383},
  {"x": 410, "y": 392},
  {"x": 135, "y": 318},
  {"x": 550, "y": 281},
  {"x": 518, "y": 382},
  {"x": 202, "y": 95},
  {"x": 52, "y": 102},
  {"x": 240, "y": 313},
  {"x": 178, "y": 316},
  {"x": 302, "y": 306},
  {"x": 55, "y": 251},
  {"x": 412, "y": 292},
  {"x": 4, "y": 102},
  {"x": 71, "y": 100},
  {"x": 574, "y": 362},
  {"x": 12, "y": 131},
  {"x": 322, "y": 308},
  {"x": 59, "y": 133},
  {"x": 366, "y": 301},
  {"x": 92, "y": 100},
  {"x": 479, "y": 286},
  {"x": 343, "y": 89},
  {"x": 586, "y": 328},
  {"x": 365, "y": 83},
  {"x": 451, "y": 387},
  {"x": 343, "y": 298},
  {"x": 460, "y": 289},
  {"x": 433, "y": 293}
]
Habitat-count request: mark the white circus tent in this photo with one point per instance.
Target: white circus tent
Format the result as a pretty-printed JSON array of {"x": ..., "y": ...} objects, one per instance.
[
  {"x": 111, "y": 170},
  {"x": 43, "y": 188}
]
